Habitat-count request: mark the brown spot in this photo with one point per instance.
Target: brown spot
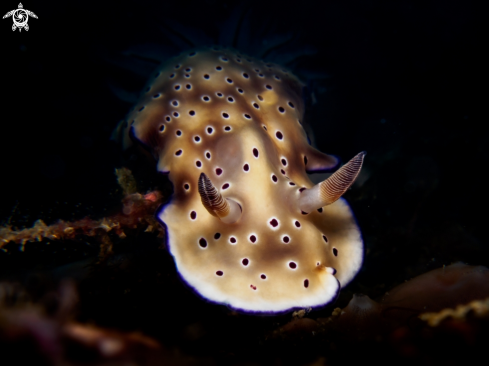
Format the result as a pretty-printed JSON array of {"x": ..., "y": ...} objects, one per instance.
[{"x": 203, "y": 243}]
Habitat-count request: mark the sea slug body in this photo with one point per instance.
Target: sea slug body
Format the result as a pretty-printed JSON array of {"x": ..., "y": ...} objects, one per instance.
[{"x": 245, "y": 224}]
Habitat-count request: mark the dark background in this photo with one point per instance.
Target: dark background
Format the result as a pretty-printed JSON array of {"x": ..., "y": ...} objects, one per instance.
[{"x": 404, "y": 82}]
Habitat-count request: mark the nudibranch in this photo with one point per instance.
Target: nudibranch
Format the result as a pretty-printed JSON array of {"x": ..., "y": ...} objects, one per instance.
[{"x": 245, "y": 224}]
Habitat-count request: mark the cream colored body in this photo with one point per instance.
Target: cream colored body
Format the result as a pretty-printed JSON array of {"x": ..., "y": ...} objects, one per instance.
[{"x": 261, "y": 199}]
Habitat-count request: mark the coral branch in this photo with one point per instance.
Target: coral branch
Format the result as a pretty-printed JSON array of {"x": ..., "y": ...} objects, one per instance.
[{"x": 137, "y": 213}]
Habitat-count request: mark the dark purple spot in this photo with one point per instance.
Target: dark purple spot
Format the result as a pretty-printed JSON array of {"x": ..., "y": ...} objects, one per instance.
[
  {"x": 225, "y": 115},
  {"x": 177, "y": 66},
  {"x": 208, "y": 155},
  {"x": 192, "y": 113},
  {"x": 297, "y": 224},
  {"x": 186, "y": 186},
  {"x": 167, "y": 119},
  {"x": 225, "y": 186},
  {"x": 232, "y": 239},
  {"x": 193, "y": 215},
  {"x": 203, "y": 242},
  {"x": 257, "y": 70},
  {"x": 304, "y": 213},
  {"x": 210, "y": 130},
  {"x": 325, "y": 238},
  {"x": 231, "y": 99},
  {"x": 197, "y": 138},
  {"x": 217, "y": 235},
  {"x": 302, "y": 189},
  {"x": 219, "y": 94},
  {"x": 253, "y": 287},
  {"x": 218, "y": 171},
  {"x": 277, "y": 77},
  {"x": 335, "y": 252},
  {"x": 269, "y": 87},
  {"x": 188, "y": 69},
  {"x": 162, "y": 128},
  {"x": 178, "y": 153},
  {"x": 292, "y": 265},
  {"x": 274, "y": 222},
  {"x": 177, "y": 87},
  {"x": 320, "y": 209},
  {"x": 156, "y": 95},
  {"x": 284, "y": 162},
  {"x": 172, "y": 76},
  {"x": 253, "y": 238},
  {"x": 286, "y": 239},
  {"x": 179, "y": 133},
  {"x": 224, "y": 58},
  {"x": 281, "y": 109},
  {"x": 279, "y": 135},
  {"x": 227, "y": 128},
  {"x": 265, "y": 128},
  {"x": 245, "y": 75},
  {"x": 240, "y": 91},
  {"x": 263, "y": 277},
  {"x": 246, "y": 167},
  {"x": 247, "y": 116},
  {"x": 238, "y": 60},
  {"x": 305, "y": 160},
  {"x": 206, "y": 98},
  {"x": 260, "y": 98},
  {"x": 274, "y": 178},
  {"x": 256, "y": 106},
  {"x": 282, "y": 171},
  {"x": 219, "y": 273},
  {"x": 306, "y": 283},
  {"x": 175, "y": 114},
  {"x": 291, "y": 105},
  {"x": 188, "y": 86},
  {"x": 229, "y": 80},
  {"x": 255, "y": 152},
  {"x": 198, "y": 163},
  {"x": 140, "y": 109},
  {"x": 218, "y": 68},
  {"x": 291, "y": 184},
  {"x": 206, "y": 76},
  {"x": 187, "y": 75},
  {"x": 260, "y": 75},
  {"x": 245, "y": 261}
]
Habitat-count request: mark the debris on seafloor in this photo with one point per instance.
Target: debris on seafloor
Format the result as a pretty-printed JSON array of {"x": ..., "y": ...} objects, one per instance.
[
  {"x": 137, "y": 213},
  {"x": 54, "y": 337},
  {"x": 449, "y": 292},
  {"x": 480, "y": 308}
]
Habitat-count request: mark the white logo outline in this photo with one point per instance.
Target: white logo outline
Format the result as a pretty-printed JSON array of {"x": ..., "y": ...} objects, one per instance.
[{"x": 20, "y": 17}]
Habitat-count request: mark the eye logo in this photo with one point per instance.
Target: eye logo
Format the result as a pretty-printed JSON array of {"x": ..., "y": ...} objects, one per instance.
[{"x": 20, "y": 17}]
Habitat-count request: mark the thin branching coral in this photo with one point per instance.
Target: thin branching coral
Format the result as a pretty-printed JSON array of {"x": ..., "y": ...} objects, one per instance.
[{"x": 137, "y": 213}]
